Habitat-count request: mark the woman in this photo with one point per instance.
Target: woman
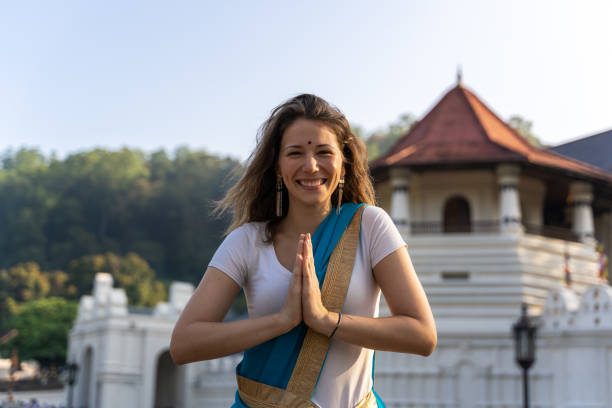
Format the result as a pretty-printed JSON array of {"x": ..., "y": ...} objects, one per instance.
[{"x": 312, "y": 261}]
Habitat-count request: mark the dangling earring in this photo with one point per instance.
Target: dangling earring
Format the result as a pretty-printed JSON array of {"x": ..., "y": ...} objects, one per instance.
[
  {"x": 340, "y": 188},
  {"x": 279, "y": 196}
]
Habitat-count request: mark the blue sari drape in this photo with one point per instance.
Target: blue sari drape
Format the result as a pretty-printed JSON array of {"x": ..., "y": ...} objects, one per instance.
[{"x": 272, "y": 362}]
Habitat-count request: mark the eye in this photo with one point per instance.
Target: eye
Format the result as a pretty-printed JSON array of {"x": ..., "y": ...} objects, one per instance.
[
  {"x": 293, "y": 153},
  {"x": 325, "y": 152}
]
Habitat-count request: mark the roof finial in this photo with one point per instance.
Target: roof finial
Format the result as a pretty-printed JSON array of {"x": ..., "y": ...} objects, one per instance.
[{"x": 459, "y": 75}]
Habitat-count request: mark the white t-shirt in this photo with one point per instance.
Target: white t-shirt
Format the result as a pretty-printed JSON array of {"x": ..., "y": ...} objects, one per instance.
[{"x": 347, "y": 373}]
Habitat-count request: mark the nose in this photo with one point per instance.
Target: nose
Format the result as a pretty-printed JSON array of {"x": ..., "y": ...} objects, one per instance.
[{"x": 311, "y": 165}]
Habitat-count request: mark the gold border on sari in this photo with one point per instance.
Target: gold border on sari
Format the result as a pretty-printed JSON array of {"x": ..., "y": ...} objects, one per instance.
[
  {"x": 335, "y": 286},
  {"x": 278, "y": 398},
  {"x": 314, "y": 348},
  {"x": 259, "y": 395}
]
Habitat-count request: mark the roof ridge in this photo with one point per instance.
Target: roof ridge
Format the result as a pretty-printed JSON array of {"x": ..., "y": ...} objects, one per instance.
[
  {"x": 589, "y": 166},
  {"x": 580, "y": 138},
  {"x": 465, "y": 94},
  {"x": 513, "y": 131},
  {"x": 461, "y": 128},
  {"x": 396, "y": 146}
]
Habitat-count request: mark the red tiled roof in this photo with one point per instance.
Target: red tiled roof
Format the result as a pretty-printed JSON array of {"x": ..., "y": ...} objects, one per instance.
[{"x": 461, "y": 129}]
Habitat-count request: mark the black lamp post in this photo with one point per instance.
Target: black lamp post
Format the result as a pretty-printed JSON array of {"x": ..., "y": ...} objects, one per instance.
[
  {"x": 524, "y": 348},
  {"x": 72, "y": 371}
]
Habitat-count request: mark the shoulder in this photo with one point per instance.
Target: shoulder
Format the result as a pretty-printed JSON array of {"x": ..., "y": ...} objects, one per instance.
[
  {"x": 373, "y": 210},
  {"x": 379, "y": 233},
  {"x": 245, "y": 238},
  {"x": 251, "y": 232},
  {"x": 238, "y": 251},
  {"x": 375, "y": 217}
]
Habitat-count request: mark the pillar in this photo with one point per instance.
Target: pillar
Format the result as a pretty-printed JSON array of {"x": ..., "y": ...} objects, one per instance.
[
  {"x": 400, "y": 200},
  {"x": 509, "y": 201},
  {"x": 581, "y": 195}
]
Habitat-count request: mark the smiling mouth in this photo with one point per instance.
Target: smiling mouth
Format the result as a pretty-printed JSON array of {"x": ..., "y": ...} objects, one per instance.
[{"x": 311, "y": 183}]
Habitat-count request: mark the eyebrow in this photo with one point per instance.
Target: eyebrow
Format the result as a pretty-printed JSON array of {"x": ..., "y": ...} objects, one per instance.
[{"x": 301, "y": 146}]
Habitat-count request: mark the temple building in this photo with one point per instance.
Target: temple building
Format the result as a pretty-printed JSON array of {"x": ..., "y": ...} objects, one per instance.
[
  {"x": 462, "y": 174},
  {"x": 491, "y": 222}
]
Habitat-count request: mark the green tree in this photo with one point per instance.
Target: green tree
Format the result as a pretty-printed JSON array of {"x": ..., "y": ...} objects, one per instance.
[
  {"x": 523, "y": 127},
  {"x": 20, "y": 283},
  {"x": 54, "y": 211},
  {"x": 23, "y": 282},
  {"x": 24, "y": 205},
  {"x": 379, "y": 142},
  {"x": 95, "y": 204},
  {"x": 130, "y": 272},
  {"x": 43, "y": 326},
  {"x": 61, "y": 286},
  {"x": 182, "y": 208}
]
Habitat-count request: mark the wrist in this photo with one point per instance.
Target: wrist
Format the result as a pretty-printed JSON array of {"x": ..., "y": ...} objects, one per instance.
[
  {"x": 328, "y": 323},
  {"x": 337, "y": 325},
  {"x": 283, "y": 323}
]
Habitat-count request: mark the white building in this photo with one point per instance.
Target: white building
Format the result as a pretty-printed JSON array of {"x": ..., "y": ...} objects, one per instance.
[
  {"x": 123, "y": 357},
  {"x": 490, "y": 222}
]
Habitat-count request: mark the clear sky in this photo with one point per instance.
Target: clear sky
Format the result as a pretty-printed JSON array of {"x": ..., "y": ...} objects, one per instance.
[{"x": 151, "y": 74}]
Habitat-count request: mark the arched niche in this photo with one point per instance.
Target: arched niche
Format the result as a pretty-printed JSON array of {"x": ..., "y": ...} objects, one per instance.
[
  {"x": 166, "y": 382},
  {"x": 85, "y": 377},
  {"x": 457, "y": 215}
]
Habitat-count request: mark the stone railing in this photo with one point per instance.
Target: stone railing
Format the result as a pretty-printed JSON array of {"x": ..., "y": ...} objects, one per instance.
[
  {"x": 437, "y": 227},
  {"x": 489, "y": 226},
  {"x": 550, "y": 231}
]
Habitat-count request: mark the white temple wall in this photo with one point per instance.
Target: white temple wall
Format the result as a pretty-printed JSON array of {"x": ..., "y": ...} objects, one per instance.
[
  {"x": 118, "y": 371},
  {"x": 475, "y": 283},
  {"x": 214, "y": 382},
  {"x": 543, "y": 265},
  {"x": 482, "y": 278},
  {"x": 154, "y": 341},
  {"x": 572, "y": 370},
  {"x": 83, "y": 353},
  {"x": 429, "y": 192},
  {"x": 125, "y": 349}
]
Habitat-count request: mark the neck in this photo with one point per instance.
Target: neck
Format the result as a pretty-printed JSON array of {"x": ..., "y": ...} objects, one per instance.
[{"x": 305, "y": 219}]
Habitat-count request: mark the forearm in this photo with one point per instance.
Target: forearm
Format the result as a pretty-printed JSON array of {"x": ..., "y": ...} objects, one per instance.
[
  {"x": 208, "y": 340},
  {"x": 399, "y": 333},
  {"x": 410, "y": 328}
]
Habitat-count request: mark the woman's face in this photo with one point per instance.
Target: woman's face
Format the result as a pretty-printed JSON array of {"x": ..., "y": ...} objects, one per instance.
[{"x": 310, "y": 163}]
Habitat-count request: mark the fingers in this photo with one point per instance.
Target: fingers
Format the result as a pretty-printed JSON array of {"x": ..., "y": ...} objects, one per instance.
[
  {"x": 310, "y": 282},
  {"x": 299, "y": 257},
  {"x": 313, "y": 311},
  {"x": 291, "y": 312},
  {"x": 308, "y": 257},
  {"x": 306, "y": 261},
  {"x": 296, "y": 279}
]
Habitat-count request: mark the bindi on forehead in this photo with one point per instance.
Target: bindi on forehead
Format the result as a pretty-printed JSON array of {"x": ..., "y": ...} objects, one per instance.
[{"x": 308, "y": 133}]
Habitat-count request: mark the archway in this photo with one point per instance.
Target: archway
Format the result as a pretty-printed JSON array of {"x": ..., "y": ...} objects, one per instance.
[
  {"x": 166, "y": 382},
  {"x": 84, "y": 382},
  {"x": 457, "y": 216}
]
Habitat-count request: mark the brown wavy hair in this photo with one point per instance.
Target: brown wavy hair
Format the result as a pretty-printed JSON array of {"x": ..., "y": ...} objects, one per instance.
[{"x": 253, "y": 197}]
